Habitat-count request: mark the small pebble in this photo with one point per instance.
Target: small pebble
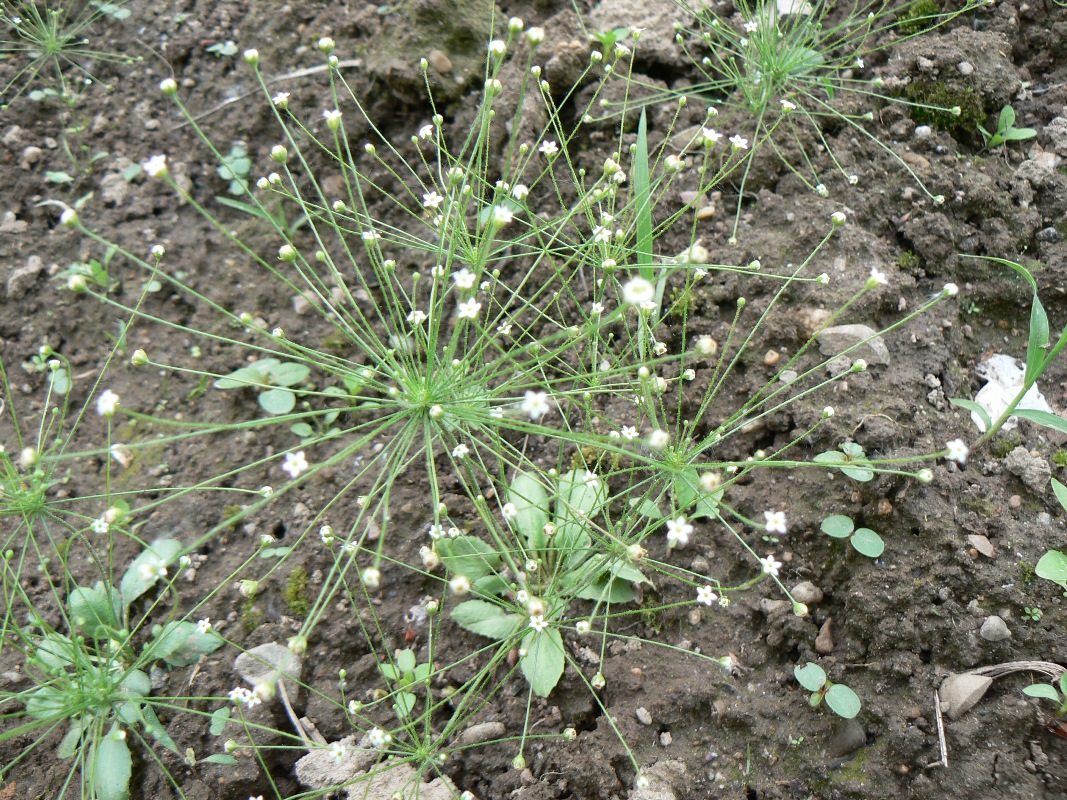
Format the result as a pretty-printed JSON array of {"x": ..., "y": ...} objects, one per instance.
[
  {"x": 1015, "y": 501},
  {"x": 808, "y": 593},
  {"x": 981, "y": 544},
  {"x": 770, "y": 358},
  {"x": 824, "y": 642},
  {"x": 994, "y": 629},
  {"x": 885, "y": 508},
  {"x": 965, "y": 68},
  {"x": 643, "y": 716},
  {"x": 665, "y": 738},
  {"x": 439, "y": 61},
  {"x": 923, "y": 132}
]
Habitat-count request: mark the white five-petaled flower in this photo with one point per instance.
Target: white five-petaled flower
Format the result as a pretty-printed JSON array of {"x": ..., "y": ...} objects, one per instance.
[
  {"x": 596, "y": 309},
  {"x": 295, "y": 464},
  {"x": 502, "y": 215},
  {"x": 107, "y": 403},
  {"x": 204, "y": 625},
  {"x": 332, "y": 117},
  {"x": 548, "y": 148},
  {"x": 337, "y": 750},
  {"x": 432, "y": 200},
  {"x": 465, "y": 279},
  {"x": 520, "y": 192},
  {"x": 371, "y": 236},
  {"x": 469, "y": 309},
  {"x": 659, "y": 439},
  {"x": 281, "y": 99},
  {"x": 739, "y": 142},
  {"x": 877, "y": 277},
  {"x": 426, "y": 131},
  {"x": 821, "y": 190},
  {"x": 510, "y": 511},
  {"x": 246, "y": 696},
  {"x": 770, "y": 565},
  {"x": 775, "y": 521},
  {"x": 751, "y": 26},
  {"x": 100, "y": 526},
  {"x": 637, "y": 291},
  {"x": 417, "y": 317},
  {"x": 538, "y": 622},
  {"x": 710, "y": 136},
  {"x": 535, "y": 404},
  {"x": 436, "y": 531},
  {"x": 706, "y": 595},
  {"x": 788, "y": 105},
  {"x": 678, "y": 530},
  {"x": 378, "y": 737},
  {"x": 629, "y": 432},
  {"x": 957, "y": 450},
  {"x": 601, "y": 234},
  {"x": 156, "y": 166},
  {"x": 460, "y": 451}
]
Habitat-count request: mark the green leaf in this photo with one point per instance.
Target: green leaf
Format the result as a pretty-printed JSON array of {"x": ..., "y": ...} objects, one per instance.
[
  {"x": 647, "y": 508},
  {"x": 1007, "y": 119},
  {"x": 530, "y": 498},
  {"x": 156, "y": 730},
  {"x": 643, "y": 197},
  {"x": 60, "y": 381},
  {"x": 142, "y": 574},
  {"x": 219, "y": 718},
  {"x": 970, "y": 405},
  {"x": 1019, "y": 134},
  {"x": 96, "y": 611},
  {"x": 274, "y": 552},
  {"x": 691, "y": 496},
  {"x": 486, "y": 619},
  {"x": 61, "y": 178},
  {"x": 1060, "y": 491},
  {"x": 219, "y": 758},
  {"x": 180, "y": 644},
  {"x": 1053, "y": 567},
  {"x": 833, "y": 457},
  {"x": 490, "y": 586},
  {"x": 1035, "y": 347},
  {"x": 1044, "y": 418},
  {"x": 606, "y": 589},
  {"x": 302, "y": 429},
  {"x": 289, "y": 373},
  {"x": 405, "y": 661},
  {"x": 389, "y": 671},
  {"x": 112, "y": 767},
  {"x": 858, "y": 473},
  {"x": 577, "y": 502},
  {"x": 72, "y": 741},
  {"x": 838, "y": 526},
  {"x": 867, "y": 543},
  {"x": 468, "y": 556},
  {"x": 405, "y": 702},
  {"x": 257, "y": 375},
  {"x": 843, "y": 701},
  {"x": 136, "y": 685},
  {"x": 277, "y": 401},
  {"x": 544, "y": 660},
  {"x": 268, "y": 663},
  {"x": 1042, "y": 690},
  {"x": 811, "y": 676}
]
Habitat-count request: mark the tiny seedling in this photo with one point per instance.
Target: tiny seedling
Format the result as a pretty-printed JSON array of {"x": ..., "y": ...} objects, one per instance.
[
  {"x": 1006, "y": 130},
  {"x": 851, "y": 459},
  {"x": 841, "y": 700},
  {"x": 235, "y": 168},
  {"x": 222, "y": 49},
  {"x": 1046, "y": 691},
  {"x": 864, "y": 540},
  {"x": 405, "y": 674},
  {"x": 1033, "y": 614},
  {"x": 274, "y": 377}
]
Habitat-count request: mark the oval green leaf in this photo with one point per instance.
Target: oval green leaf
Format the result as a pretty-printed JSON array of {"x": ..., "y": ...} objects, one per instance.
[
  {"x": 868, "y": 543},
  {"x": 811, "y": 676},
  {"x": 544, "y": 660},
  {"x": 1042, "y": 690},
  {"x": 843, "y": 701},
  {"x": 838, "y": 526}
]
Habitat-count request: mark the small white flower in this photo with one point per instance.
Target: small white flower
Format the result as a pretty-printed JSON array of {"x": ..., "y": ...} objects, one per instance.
[
  {"x": 469, "y": 309},
  {"x": 659, "y": 439},
  {"x": 432, "y": 200},
  {"x": 465, "y": 279},
  {"x": 417, "y": 317},
  {"x": 510, "y": 511},
  {"x": 372, "y": 577},
  {"x": 591, "y": 480},
  {"x": 295, "y": 464},
  {"x": 538, "y": 622},
  {"x": 326, "y": 535},
  {"x": 156, "y": 166},
  {"x": 724, "y": 601},
  {"x": 601, "y": 234},
  {"x": 168, "y": 86},
  {"x": 548, "y": 147},
  {"x": 583, "y": 626},
  {"x": 925, "y": 476},
  {"x": 158, "y": 251},
  {"x": 706, "y": 595},
  {"x": 951, "y": 290},
  {"x": 535, "y": 36},
  {"x": 596, "y": 309},
  {"x": 378, "y": 738},
  {"x": 770, "y": 565},
  {"x": 337, "y": 750},
  {"x": 838, "y": 219},
  {"x": 775, "y": 521},
  {"x": 629, "y": 432},
  {"x": 823, "y": 279},
  {"x": 436, "y": 532},
  {"x": 828, "y": 412},
  {"x": 281, "y": 99},
  {"x": 460, "y": 451},
  {"x": 637, "y": 291},
  {"x": 822, "y": 191},
  {"x": 502, "y": 215},
  {"x": 371, "y": 236},
  {"x": 788, "y": 105},
  {"x": 673, "y": 163},
  {"x": 332, "y": 117},
  {"x": 251, "y": 56},
  {"x": 738, "y": 142},
  {"x": 107, "y": 403},
  {"x": 497, "y": 47},
  {"x": 751, "y": 26},
  {"x": 957, "y": 450},
  {"x": 204, "y": 625},
  {"x": 460, "y": 585},
  {"x": 535, "y": 404},
  {"x": 678, "y": 530},
  {"x": 520, "y": 192},
  {"x": 853, "y": 180},
  {"x": 859, "y": 63},
  {"x": 100, "y": 526},
  {"x": 153, "y": 569}
]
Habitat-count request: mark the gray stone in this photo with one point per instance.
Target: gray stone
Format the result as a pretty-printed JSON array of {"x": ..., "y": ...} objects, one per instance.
[
  {"x": 400, "y": 780},
  {"x": 22, "y": 279},
  {"x": 643, "y": 716},
  {"x": 959, "y": 693},
  {"x": 839, "y": 338},
  {"x": 1056, "y": 133},
  {"x": 808, "y": 593},
  {"x": 665, "y": 780},
  {"x": 482, "y": 732},
  {"x": 1032, "y": 470},
  {"x": 994, "y": 629},
  {"x": 321, "y": 768}
]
